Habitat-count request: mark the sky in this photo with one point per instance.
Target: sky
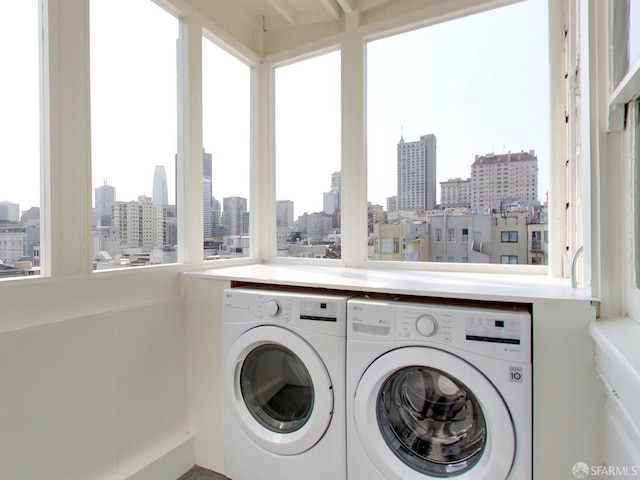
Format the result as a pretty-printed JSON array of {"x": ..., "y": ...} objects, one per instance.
[
  {"x": 479, "y": 84},
  {"x": 20, "y": 105}
]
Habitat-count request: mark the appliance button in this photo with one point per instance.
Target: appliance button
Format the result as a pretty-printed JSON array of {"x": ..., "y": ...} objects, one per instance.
[
  {"x": 426, "y": 325},
  {"x": 273, "y": 308}
]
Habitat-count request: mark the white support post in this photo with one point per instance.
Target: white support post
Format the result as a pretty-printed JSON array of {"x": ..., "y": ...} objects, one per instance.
[
  {"x": 354, "y": 170},
  {"x": 263, "y": 200},
  {"x": 67, "y": 142},
  {"x": 189, "y": 165}
]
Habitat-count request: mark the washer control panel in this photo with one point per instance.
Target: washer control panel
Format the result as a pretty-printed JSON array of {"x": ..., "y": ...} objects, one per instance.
[
  {"x": 427, "y": 325},
  {"x": 273, "y": 308},
  {"x": 498, "y": 332},
  {"x": 495, "y": 330},
  {"x": 416, "y": 323}
]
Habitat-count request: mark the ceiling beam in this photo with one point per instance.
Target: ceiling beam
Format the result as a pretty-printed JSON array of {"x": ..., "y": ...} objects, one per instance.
[
  {"x": 347, "y": 5},
  {"x": 332, "y": 7},
  {"x": 284, "y": 8}
]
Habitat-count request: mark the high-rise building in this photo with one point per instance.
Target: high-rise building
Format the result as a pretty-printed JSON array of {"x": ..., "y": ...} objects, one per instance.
[
  {"x": 455, "y": 192},
  {"x": 509, "y": 176},
  {"x": 233, "y": 210},
  {"x": 9, "y": 212},
  {"x": 392, "y": 204},
  {"x": 140, "y": 224},
  {"x": 208, "y": 219},
  {"x": 105, "y": 197},
  {"x": 160, "y": 193},
  {"x": 417, "y": 174},
  {"x": 331, "y": 199},
  {"x": 216, "y": 216},
  {"x": 284, "y": 213}
]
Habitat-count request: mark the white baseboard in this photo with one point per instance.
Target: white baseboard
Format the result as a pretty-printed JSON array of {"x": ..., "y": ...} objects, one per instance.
[{"x": 169, "y": 464}]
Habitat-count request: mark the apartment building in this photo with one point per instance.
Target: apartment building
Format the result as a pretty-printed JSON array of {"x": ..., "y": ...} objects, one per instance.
[
  {"x": 503, "y": 177},
  {"x": 417, "y": 174}
]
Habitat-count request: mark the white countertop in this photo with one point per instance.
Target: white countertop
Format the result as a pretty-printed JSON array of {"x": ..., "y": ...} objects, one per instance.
[{"x": 472, "y": 286}]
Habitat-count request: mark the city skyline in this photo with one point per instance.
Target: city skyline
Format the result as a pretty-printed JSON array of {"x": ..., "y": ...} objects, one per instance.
[{"x": 456, "y": 145}]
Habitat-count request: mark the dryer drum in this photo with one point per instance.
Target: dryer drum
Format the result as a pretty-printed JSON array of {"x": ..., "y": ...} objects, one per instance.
[{"x": 431, "y": 421}]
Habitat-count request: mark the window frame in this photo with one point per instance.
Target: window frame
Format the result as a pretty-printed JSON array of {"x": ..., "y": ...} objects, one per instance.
[
  {"x": 44, "y": 60},
  {"x": 355, "y": 242},
  {"x": 510, "y": 237},
  {"x": 621, "y": 89}
]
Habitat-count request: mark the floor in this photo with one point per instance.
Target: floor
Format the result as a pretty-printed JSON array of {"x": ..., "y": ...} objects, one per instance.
[{"x": 199, "y": 473}]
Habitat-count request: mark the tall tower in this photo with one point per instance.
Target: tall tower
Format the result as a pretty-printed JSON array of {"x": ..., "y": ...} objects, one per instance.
[
  {"x": 160, "y": 194},
  {"x": 284, "y": 213},
  {"x": 417, "y": 174},
  {"x": 331, "y": 199},
  {"x": 207, "y": 194},
  {"x": 105, "y": 197},
  {"x": 233, "y": 210}
]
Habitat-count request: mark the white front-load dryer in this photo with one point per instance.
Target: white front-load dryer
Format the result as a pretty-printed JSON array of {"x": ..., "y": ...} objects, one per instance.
[
  {"x": 437, "y": 391},
  {"x": 283, "y": 356}
]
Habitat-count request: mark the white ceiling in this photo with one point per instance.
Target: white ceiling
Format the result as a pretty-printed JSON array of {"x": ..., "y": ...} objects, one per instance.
[
  {"x": 279, "y": 27},
  {"x": 302, "y": 11}
]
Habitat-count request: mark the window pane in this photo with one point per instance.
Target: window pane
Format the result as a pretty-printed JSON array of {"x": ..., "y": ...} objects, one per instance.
[
  {"x": 226, "y": 93},
  {"x": 134, "y": 133},
  {"x": 308, "y": 158},
  {"x": 635, "y": 159},
  {"x": 457, "y": 122},
  {"x": 634, "y": 33},
  {"x": 19, "y": 140}
]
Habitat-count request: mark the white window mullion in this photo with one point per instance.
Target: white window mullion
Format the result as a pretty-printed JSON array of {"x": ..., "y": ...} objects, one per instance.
[
  {"x": 189, "y": 165},
  {"x": 354, "y": 170}
]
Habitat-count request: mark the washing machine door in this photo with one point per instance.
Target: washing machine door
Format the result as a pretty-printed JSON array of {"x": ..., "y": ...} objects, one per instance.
[
  {"x": 423, "y": 413},
  {"x": 279, "y": 389}
]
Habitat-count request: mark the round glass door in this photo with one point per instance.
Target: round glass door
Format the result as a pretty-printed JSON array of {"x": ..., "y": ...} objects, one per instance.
[
  {"x": 422, "y": 413},
  {"x": 277, "y": 388},
  {"x": 431, "y": 421}
]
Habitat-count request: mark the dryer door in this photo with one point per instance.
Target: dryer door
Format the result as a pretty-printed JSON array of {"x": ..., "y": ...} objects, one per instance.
[
  {"x": 280, "y": 390},
  {"x": 423, "y": 413}
]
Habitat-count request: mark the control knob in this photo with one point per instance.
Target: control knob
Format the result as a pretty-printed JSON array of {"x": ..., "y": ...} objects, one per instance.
[
  {"x": 426, "y": 325},
  {"x": 273, "y": 308}
]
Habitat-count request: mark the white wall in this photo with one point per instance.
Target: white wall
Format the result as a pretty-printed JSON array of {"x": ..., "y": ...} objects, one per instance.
[
  {"x": 98, "y": 396},
  {"x": 203, "y": 317}
]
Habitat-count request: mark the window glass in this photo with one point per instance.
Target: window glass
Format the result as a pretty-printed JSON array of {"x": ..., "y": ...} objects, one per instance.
[
  {"x": 451, "y": 139},
  {"x": 509, "y": 259},
  {"x": 634, "y": 33},
  {"x": 226, "y": 135},
  {"x": 509, "y": 237},
  {"x": 308, "y": 158},
  {"x": 635, "y": 159},
  {"x": 20, "y": 140},
  {"x": 133, "y": 133}
]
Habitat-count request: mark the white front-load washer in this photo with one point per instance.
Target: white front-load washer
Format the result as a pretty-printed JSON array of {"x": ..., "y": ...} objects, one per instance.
[
  {"x": 438, "y": 391},
  {"x": 283, "y": 356}
]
